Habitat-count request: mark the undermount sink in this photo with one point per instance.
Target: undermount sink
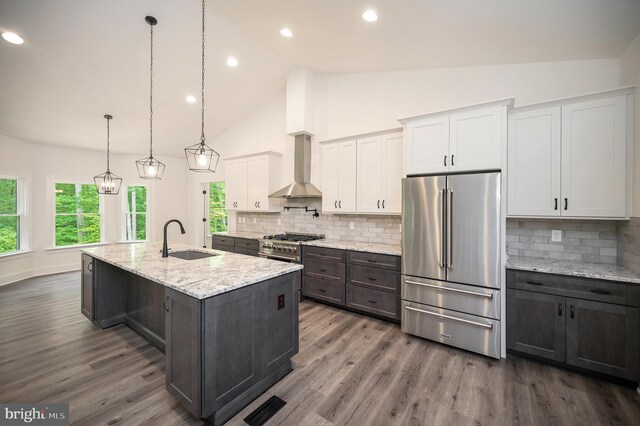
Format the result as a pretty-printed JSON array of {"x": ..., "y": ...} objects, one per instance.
[{"x": 191, "y": 255}]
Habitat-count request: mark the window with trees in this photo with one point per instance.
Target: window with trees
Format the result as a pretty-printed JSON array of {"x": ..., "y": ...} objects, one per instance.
[
  {"x": 9, "y": 216},
  {"x": 218, "y": 216},
  {"x": 78, "y": 218},
  {"x": 136, "y": 215}
]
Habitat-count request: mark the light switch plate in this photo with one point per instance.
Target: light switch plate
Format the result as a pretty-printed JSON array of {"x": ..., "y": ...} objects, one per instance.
[
  {"x": 279, "y": 221},
  {"x": 556, "y": 235},
  {"x": 352, "y": 225}
]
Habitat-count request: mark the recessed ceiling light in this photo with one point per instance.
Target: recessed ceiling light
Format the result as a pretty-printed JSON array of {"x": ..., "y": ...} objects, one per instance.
[
  {"x": 286, "y": 32},
  {"x": 12, "y": 38},
  {"x": 232, "y": 62},
  {"x": 191, "y": 99},
  {"x": 370, "y": 15}
]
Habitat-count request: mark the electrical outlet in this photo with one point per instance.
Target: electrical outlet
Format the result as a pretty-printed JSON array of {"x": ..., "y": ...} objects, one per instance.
[
  {"x": 239, "y": 219},
  {"x": 352, "y": 225},
  {"x": 556, "y": 236},
  {"x": 244, "y": 219},
  {"x": 279, "y": 221},
  {"x": 255, "y": 220}
]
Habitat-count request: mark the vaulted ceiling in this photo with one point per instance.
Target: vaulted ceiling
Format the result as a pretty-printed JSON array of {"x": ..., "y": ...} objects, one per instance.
[{"x": 84, "y": 58}]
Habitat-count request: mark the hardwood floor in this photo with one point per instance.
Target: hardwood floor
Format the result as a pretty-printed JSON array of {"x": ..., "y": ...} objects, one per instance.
[{"x": 351, "y": 370}]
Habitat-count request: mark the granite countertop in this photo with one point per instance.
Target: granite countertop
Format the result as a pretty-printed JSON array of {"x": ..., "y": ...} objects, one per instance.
[
  {"x": 391, "y": 249},
  {"x": 199, "y": 278},
  {"x": 241, "y": 234},
  {"x": 576, "y": 269}
]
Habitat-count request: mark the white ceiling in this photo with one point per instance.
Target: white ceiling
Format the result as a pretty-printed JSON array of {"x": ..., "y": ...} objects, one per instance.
[{"x": 84, "y": 58}]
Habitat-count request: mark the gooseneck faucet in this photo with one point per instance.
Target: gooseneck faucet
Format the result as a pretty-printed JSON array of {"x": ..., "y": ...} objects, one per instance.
[{"x": 165, "y": 250}]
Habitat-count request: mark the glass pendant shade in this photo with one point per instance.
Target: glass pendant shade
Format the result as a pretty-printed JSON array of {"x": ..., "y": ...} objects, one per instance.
[
  {"x": 201, "y": 158},
  {"x": 108, "y": 183},
  {"x": 150, "y": 168}
]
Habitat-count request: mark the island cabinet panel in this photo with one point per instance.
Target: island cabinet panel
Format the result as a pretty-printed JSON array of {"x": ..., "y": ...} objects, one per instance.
[
  {"x": 183, "y": 349},
  {"x": 86, "y": 286},
  {"x": 108, "y": 294},
  {"x": 582, "y": 323},
  {"x": 145, "y": 313}
]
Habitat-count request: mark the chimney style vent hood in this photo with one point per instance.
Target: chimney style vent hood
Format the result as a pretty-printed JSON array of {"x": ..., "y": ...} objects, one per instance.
[{"x": 301, "y": 186}]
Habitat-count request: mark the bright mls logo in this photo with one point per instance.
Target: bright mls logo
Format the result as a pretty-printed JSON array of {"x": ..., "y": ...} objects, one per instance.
[{"x": 36, "y": 414}]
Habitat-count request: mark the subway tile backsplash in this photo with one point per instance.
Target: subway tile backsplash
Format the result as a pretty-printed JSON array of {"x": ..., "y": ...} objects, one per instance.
[
  {"x": 590, "y": 241},
  {"x": 629, "y": 244},
  {"x": 368, "y": 229}
]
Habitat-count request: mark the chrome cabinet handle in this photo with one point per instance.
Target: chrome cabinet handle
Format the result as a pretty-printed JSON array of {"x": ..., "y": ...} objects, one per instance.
[
  {"x": 456, "y": 290},
  {"x": 479, "y": 324},
  {"x": 450, "y": 229}
]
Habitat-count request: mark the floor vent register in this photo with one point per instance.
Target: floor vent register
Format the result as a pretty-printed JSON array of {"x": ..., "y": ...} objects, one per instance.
[{"x": 264, "y": 412}]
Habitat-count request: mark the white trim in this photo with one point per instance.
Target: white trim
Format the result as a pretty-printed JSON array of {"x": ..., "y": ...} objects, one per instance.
[
  {"x": 133, "y": 242},
  {"x": 21, "y": 210},
  {"x": 626, "y": 90},
  {"x": 508, "y": 102},
  {"x": 4, "y": 256},
  {"x": 124, "y": 207},
  {"x": 75, "y": 246}
]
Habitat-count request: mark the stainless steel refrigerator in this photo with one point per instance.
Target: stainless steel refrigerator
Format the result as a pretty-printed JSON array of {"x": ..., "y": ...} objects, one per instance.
[{"x": 451, "y": 263}]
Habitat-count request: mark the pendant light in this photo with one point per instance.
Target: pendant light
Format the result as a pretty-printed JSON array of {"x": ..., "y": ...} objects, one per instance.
[
  {"x": 107, "y": 182},
  {"x": 150, "y": 168},
  {"x": 200, "y": 157}
]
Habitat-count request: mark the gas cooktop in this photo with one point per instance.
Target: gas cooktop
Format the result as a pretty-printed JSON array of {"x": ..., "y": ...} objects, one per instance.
[{"x": 298, "y": 238}]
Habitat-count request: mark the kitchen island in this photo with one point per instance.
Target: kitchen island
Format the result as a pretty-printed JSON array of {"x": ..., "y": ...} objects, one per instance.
[{"x": 227, "y": 323}]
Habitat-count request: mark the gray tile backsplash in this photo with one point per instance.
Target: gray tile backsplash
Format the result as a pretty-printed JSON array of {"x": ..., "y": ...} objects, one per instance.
[
  {"x": 593, "y": 241},
  {"x": 367, "y": 229},
  {"x": 629, "y": 244}
]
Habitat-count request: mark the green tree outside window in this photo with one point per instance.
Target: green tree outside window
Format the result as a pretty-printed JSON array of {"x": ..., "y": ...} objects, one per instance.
[
  {"x": 9, "y": 218},
  {"x": 136, "y": 216},
  {"x": 218, "y": 217},
  {"x": 77, "y": 214}
]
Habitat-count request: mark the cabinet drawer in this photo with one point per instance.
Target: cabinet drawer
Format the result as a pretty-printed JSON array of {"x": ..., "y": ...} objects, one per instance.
[
  {"x": 317, "y": 288},
  {"x": 578, "y": 287},
  {"x": 374, "y": 301},
  {"x": 223, "y": 248},
  {"x": 324, "y": 253},
  {"x": 324, "y": 269},
  {"x": 245, "y": 243},
  {"x": 384, "y": 261},
  {"x": 219, "y": 240},
  {"x": 246, "y": 251},
  {"x": 374, "y": 278},
  {"x": 470, "y": 332}
]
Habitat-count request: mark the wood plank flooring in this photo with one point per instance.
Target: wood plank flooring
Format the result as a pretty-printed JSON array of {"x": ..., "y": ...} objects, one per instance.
[{"x": 351, "y": 370}]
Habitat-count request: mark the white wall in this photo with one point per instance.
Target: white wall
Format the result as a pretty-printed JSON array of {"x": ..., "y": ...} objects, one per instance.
[
  {"x": 630, "y": 75},
  {"x": 41, "y": 164},
  {"x": 352, "y": 104}
]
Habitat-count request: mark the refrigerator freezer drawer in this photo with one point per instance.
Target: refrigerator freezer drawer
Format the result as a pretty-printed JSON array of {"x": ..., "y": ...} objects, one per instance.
[
  {"x": 458, "y": 297},
  {"x": 470, "y": 332}
]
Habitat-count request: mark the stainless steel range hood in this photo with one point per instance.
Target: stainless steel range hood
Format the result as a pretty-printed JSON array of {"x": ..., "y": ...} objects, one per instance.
[{"x": 301, "y": 186}]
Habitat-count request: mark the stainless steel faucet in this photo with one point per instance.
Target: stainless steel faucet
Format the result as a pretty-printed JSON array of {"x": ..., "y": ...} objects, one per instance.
[{"x": 165, "y": 250}]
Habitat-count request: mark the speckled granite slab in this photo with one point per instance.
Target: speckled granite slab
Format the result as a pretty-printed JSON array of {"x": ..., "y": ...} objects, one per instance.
[
  {"x": 577, "y": 269},
  {"x": 199, "y": 278},
  {"x": 392, "y": 249},
  {"x": 241, "y": 234}
]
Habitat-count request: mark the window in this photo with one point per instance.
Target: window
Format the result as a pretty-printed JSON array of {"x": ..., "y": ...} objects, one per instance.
[
  {"x": 77, "y": 214},
  {"x": 9, "y": 216},
  {"x": 136, "y": 215},
  {"x": 218, "y": 218}
]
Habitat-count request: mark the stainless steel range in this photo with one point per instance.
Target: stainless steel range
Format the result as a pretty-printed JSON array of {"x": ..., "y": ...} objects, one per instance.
[{"x": 286, "y": 247}]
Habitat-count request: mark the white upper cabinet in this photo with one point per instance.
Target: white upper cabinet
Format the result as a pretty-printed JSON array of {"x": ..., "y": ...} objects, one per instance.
[
  {"x": 427, "y": 145},
  {"x": 475, "y": 139},
  {"x": 465, "y": 139},
  {"x": 251, "y": 179},
  {"x": 571, "y": 158},
  {"x": 380, "y": 174},
  {"x": 534, "y": 163},
  {"x": 339, "y": 177},
  {"x": 594, "y": 136}
]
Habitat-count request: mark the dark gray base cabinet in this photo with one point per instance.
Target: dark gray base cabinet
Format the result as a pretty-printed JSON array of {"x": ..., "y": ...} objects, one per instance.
[
  {"x": 244, "y": 246},
  {"x": 102, "y": 292},
  {"x": 86, "y": 286},
  {"x": 591, "y": 335},
  {"x": 224, "y": 351}
]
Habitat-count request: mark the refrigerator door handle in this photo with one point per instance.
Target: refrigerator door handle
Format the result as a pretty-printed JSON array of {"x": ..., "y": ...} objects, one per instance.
[
  {"x": 442, "y": 230},
  {"x": 449, "y": 317},
  {"x": 456, "y": 290},
  {"x": 449, "y": 228}
]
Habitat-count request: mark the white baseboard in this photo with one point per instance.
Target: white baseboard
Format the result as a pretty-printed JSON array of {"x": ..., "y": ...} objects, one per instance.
[{"x": 37, "y": 272}]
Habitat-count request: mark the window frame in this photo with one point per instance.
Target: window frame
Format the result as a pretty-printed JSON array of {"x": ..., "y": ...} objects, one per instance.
[
  {"x": 22, "y": 239},
  {"x": 223, "y": 207},
  {"x": 52, "y": 203},
  {"x": 126, "y": 212}
]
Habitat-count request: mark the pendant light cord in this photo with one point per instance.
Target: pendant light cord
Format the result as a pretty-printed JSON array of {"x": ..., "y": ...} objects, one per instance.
[
  {"x": 151, "y": 98},
  {"x": 108, "y": 170},
  {"x": 202, "y": 92}
]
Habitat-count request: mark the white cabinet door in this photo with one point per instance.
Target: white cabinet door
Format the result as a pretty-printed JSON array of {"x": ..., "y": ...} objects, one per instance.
[
  {"x": 370, "y": 175},
  {"x": 475, "y": 139},
  {"x": 253, "y": 179},
  {"x": 264, "y": 175},
  {"x": 392, "y": 173},
  {"x": 593, "y": 158},
  {"x": 534, "y": 163},
  {"x": 330, "y": 177},
  {"x": 427, "y": 149},
  {"x": 348, "y": 177},
  {"x": 236, "y": 183}
]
